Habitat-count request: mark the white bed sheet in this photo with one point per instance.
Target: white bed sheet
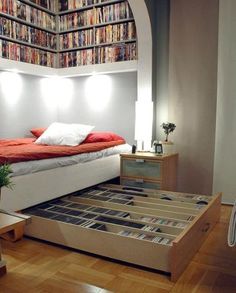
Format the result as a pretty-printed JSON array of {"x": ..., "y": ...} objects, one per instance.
[{"x": 30, "y": 167}]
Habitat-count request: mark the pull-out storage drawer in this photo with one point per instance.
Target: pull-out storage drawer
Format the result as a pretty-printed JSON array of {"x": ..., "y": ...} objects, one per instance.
[{"x": 145, "y": 227}]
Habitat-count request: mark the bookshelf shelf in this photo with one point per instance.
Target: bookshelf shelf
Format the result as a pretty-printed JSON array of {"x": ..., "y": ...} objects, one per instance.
[
  {"x": 37, "y": 70},
  {"x": 89, "y": 7},
  {"x": 26, "y": 23},
  {"x": 27, "y": 44},
  {"x": 136, "y": 225},
  {"x": 97, "y": 45},
  {"x": 39, "y": 7},
  {"x": 96, "y": 25}
]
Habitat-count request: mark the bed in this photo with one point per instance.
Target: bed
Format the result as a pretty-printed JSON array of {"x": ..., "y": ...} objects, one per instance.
[{"x": 42, "y": 172}]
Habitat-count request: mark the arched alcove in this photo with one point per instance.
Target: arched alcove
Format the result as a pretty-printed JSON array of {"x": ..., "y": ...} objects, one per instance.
[
  {"x": 144, "y": 35},
  {"x": 144, "y": 104}
]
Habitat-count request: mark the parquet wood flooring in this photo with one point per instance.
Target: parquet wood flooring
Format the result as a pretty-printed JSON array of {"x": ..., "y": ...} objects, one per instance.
[{"x": 34, "y": 266}]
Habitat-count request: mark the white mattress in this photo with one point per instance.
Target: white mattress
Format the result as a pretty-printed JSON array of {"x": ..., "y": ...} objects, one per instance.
[{"x": 30, "y": 167}]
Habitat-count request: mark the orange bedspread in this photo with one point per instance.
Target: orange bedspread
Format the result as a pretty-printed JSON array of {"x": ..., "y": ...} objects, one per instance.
[{"x": 24, "y": 149}]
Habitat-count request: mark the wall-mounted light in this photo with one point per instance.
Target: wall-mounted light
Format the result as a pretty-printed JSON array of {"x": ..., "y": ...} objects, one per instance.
[
  {"x": 98, "y": 90},
  {"x": 11, "y": 86},
  {"x": 56, "y": 91}
]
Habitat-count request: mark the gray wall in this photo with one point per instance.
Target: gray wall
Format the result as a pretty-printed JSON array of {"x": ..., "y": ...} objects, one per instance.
[
  {"x": 225, "y": 151},
  {"x": 193, "y": 90},
  {"x": 35, "y": 109},
  {"x": 159, "y": 16}
]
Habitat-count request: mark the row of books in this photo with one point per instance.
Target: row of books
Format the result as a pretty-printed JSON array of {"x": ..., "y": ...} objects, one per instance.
[
  {"x": 76, "y": 58},
  {"x": 28, "y": 34},
  {"x": 76, "y": 4},
  {"x": 107, "y": 34},
  {"x": 114, "y": 12},
  {"x": 22, "y": 53},
  {"x": 109, "y": 54},
  {"x": 76, "y": 20},
  {"x": 28, "y": 13},
  {"x": 99, "y": 55},
  {"x": 143, "y": 236},
  {"x": 77, "y": 39},
  {"x": 48, "y": 4},
  {"x": 115, "y": 33}
]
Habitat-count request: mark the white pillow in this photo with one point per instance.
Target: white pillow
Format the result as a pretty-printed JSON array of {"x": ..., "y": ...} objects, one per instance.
[{"x": 64, "y": 134}]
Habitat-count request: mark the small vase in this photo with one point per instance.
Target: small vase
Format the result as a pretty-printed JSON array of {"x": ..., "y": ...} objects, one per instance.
[{"x": 168, "y": 147}]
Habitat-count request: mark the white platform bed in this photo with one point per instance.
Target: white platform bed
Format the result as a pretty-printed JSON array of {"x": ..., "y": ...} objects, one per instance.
[{"x": 35, "y": 188}]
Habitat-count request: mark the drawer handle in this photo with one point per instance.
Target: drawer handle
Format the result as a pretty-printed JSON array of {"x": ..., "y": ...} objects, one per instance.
[
  {"x": 206, "y": 227},
  {"x": 139, "y": 160},
  {"x": 139, "y": 180}
]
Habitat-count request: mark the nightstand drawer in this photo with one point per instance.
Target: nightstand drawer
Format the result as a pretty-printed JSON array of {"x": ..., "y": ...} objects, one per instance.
[
  {"x": 140, "y": 183},
  {"x": 148, "y": 169}
]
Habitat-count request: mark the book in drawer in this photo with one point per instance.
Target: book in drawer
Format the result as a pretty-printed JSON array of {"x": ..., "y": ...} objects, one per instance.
[{"x": 154, "y": 229}]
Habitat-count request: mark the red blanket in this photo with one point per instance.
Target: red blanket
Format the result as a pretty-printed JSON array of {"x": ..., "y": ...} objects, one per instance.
[{"x": 24, "y": 149}]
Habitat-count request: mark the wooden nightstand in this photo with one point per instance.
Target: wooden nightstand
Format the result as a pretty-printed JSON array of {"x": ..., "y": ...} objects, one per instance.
[{"x": 149, "y": 170}]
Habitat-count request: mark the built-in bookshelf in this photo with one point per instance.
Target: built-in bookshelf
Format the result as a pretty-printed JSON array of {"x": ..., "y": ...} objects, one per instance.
[
  {"x": 63, "y": 34},
  {"x": 28, "y": 32},
  {"x": 96, "y": 32}
]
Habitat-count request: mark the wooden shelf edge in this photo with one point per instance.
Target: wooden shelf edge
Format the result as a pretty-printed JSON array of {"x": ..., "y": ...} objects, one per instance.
[{"x": 38, "y": 70}]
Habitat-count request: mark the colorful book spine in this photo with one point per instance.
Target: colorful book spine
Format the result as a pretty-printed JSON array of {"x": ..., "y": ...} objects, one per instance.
[
  {"x": 28, "y": 13},
  {"x": 27, "y": 34},
  {"x": 26, "y": 54}
]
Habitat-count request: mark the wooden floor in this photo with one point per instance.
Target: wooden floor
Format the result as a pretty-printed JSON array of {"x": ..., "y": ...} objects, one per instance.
[{"x": 35, "y": 266}]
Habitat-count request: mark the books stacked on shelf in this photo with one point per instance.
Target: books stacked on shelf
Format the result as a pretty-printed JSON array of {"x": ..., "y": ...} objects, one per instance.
[
  {"x": 77, "y": 4},
  {"x": 48, "y": 4},
  {"x": 26, "y": 54},
  {"x": 27, "y": 34},
  {"x": 115, "y": 53},
  {"x": 163, "y": 221},
  {"x": 143, "y": 236},
  {"x": 76, "y": 58},
  {"x": 28, "y": 13},
  {"x": 76, "y": 20},
  {"x": 114, "y": 12},
  {"x": 76, "y": 39},
  {"x": 109, "y": 13},
  {"x": 115, "y": 33}
]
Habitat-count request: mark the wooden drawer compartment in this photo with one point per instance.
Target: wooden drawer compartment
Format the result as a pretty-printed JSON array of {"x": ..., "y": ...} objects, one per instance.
[
  {"x": 139, "y": 227},
  {"x": 148, "y": 170},
  {"x": 140, "y": 167},
  {"x": 142, "y": 183}
]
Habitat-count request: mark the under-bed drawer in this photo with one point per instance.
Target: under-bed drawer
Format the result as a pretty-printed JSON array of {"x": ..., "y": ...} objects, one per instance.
[{"x": 140, "y": 227}]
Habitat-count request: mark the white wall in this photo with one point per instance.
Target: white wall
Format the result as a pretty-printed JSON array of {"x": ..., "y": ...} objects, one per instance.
[
  {"x": 41, "y": 101},
  {"x": 22, "y": 105},
  {"x": 118, "y": 113},
  {"x": 225, "y": 146}
]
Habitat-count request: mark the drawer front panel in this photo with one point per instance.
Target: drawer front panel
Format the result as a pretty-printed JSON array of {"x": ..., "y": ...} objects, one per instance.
[
  {"x": 141, "y": 168},
  {"x": 141, "y": 183}
]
